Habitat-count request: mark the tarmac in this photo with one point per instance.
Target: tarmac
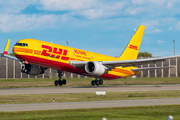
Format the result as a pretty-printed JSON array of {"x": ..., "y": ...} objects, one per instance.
[
  {"x": 91, "y": 89},
  {"x": 88, "y": 104}
]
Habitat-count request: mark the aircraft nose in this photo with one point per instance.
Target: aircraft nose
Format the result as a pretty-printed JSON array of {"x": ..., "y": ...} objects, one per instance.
[{"x": 14, "y": 50}]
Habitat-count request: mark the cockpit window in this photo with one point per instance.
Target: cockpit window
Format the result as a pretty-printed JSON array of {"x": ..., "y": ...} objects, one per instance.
[{"x": 21, "y": 44}]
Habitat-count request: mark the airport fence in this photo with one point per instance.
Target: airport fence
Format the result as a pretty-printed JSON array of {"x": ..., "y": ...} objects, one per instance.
[{"x": 12, "y": 69}]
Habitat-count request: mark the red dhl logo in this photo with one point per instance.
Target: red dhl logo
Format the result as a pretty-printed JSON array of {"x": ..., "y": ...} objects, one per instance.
[
  {"x": 133, "y": 47},
  {"x": 54, "y": 52}
]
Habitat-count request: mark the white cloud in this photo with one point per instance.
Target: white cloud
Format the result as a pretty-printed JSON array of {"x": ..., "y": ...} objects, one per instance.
[
  {"x": 134, "y": 11},
  {"x": 158, "y": 2},
  {"x": 95, "y": 14},
  {"x": 161, "y": 41},
  {"x": 56, "y": 5},
  {"x": 155, "y": 31},
  {"x": 148, "y": 12},
  {"x": 169, "y": 5},
  {"x": 138, "y": 2},
  {"x": 141, "y": 2},
  {"x": 89, "y": 9},
  {"x": 177, "y": 25},
  {"x": 151, "y": 24},
  {"x": 69, "y": 5},
  {"x": 10, "y": 22},
  {"x": 14, "y": 6}
]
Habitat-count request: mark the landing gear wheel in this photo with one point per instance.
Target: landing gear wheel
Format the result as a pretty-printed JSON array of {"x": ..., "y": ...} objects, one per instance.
[
  {"x": 100, "y": 82},
  {"x": 97, "y": 82},
  {"x": 56, "y": 83},
  {"x": 60, "y": 83},
  {"x": 93, "y": 83},
  {"x": 64, "y": 82}
]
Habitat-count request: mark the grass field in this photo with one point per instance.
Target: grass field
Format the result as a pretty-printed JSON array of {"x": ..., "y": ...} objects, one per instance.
[
  {"x": 78, "y": 97},
  {"x": 49, "y": 82},
  {"x": 119, "y": 113}
]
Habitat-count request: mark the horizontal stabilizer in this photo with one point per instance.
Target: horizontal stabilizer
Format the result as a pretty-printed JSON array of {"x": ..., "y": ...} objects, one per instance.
[
  {"x": 149, "y": 68},
  {"x": 11, "y": 57},
  {"x": 6, "y": 52}
]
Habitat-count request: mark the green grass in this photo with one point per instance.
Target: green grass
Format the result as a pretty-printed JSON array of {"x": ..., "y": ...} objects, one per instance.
[
  {"x": 74, "y": 82},
  {"x": 119, "y": 113},
  {"x": 77, "y": 97}
]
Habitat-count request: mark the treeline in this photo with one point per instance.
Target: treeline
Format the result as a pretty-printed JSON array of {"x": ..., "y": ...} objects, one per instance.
[
  {"x": 1, "y": 54},
  {"x": 144, "y": 54}
]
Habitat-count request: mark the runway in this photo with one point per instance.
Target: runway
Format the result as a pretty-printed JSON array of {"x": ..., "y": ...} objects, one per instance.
[
  {"x": 55, "y": 90},
  {"x": 89, "y": 104}
]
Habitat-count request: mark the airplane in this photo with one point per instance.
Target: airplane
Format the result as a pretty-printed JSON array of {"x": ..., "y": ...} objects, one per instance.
[{"x": 37, "y": 56}]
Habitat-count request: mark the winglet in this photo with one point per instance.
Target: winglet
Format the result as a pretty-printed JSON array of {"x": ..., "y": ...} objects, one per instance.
[{"x": 7, "y": 47}]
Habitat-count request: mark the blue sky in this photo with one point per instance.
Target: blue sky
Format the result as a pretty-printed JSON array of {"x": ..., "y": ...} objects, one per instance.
[{"x": 102, "y": 26}]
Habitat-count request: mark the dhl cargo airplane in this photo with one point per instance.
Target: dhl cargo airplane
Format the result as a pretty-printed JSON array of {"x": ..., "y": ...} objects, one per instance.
[{"x": 36, "y": 56}]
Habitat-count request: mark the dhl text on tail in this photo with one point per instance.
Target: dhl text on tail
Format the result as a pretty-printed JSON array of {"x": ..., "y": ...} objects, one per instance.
[{"x": 36, "y": 56}]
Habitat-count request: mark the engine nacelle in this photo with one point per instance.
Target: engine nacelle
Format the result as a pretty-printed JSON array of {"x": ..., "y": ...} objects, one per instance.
[
  {"x": 32, "y": 69},
  {"x": 95, "y": 68}
]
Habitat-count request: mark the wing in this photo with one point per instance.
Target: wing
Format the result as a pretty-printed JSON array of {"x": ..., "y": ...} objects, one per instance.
[
  {"x": 126, "y": 63},
  {"x": 123, "y": 63},
  {"x": 6, "y": 52}
]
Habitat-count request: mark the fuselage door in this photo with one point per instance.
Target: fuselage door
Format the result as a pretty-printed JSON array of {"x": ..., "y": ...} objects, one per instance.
[{"x": 37, "y": 49}]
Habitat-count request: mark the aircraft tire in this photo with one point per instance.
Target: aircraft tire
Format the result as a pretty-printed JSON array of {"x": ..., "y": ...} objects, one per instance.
[
  {"x": 100, "y": 82},
  {"x": 60, "y": 83},
  {"x": 64, "y": 82},
  {"x": 93, "y": 83},
  {"x": 97, "y": 82},
  {"x": 56, "y": 83}
]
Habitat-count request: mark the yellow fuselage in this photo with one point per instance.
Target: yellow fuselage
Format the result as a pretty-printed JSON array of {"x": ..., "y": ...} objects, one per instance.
[{"x": 56, "y": 56}]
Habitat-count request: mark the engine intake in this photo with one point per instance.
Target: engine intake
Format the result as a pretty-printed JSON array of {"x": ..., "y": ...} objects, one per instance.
[
  {"x": 32, "y": 69},
  {"x": 95, "y": 68}
]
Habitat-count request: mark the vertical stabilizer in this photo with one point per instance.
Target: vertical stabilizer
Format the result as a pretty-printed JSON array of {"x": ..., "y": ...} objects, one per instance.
[{"x": 132, "y": 49}]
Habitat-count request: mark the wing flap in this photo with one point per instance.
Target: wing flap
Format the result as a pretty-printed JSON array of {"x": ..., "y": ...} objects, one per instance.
[
  {"x": 149, "y": 68},
  {"x": 126, "y": 63}
]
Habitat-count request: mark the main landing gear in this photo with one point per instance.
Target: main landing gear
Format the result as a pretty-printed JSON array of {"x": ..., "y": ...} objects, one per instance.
[
  {"x": 60, "y": 82},
  {"x": 96, "y": 82}
]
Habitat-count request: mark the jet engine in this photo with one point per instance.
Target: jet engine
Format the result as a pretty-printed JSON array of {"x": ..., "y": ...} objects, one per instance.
[
  {"x": 95, "y": 68},
  {"x": 32, "y": 69}
]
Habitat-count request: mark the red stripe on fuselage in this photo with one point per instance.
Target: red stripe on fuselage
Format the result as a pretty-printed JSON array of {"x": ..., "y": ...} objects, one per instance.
[{"x": 59, "y": 65}]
